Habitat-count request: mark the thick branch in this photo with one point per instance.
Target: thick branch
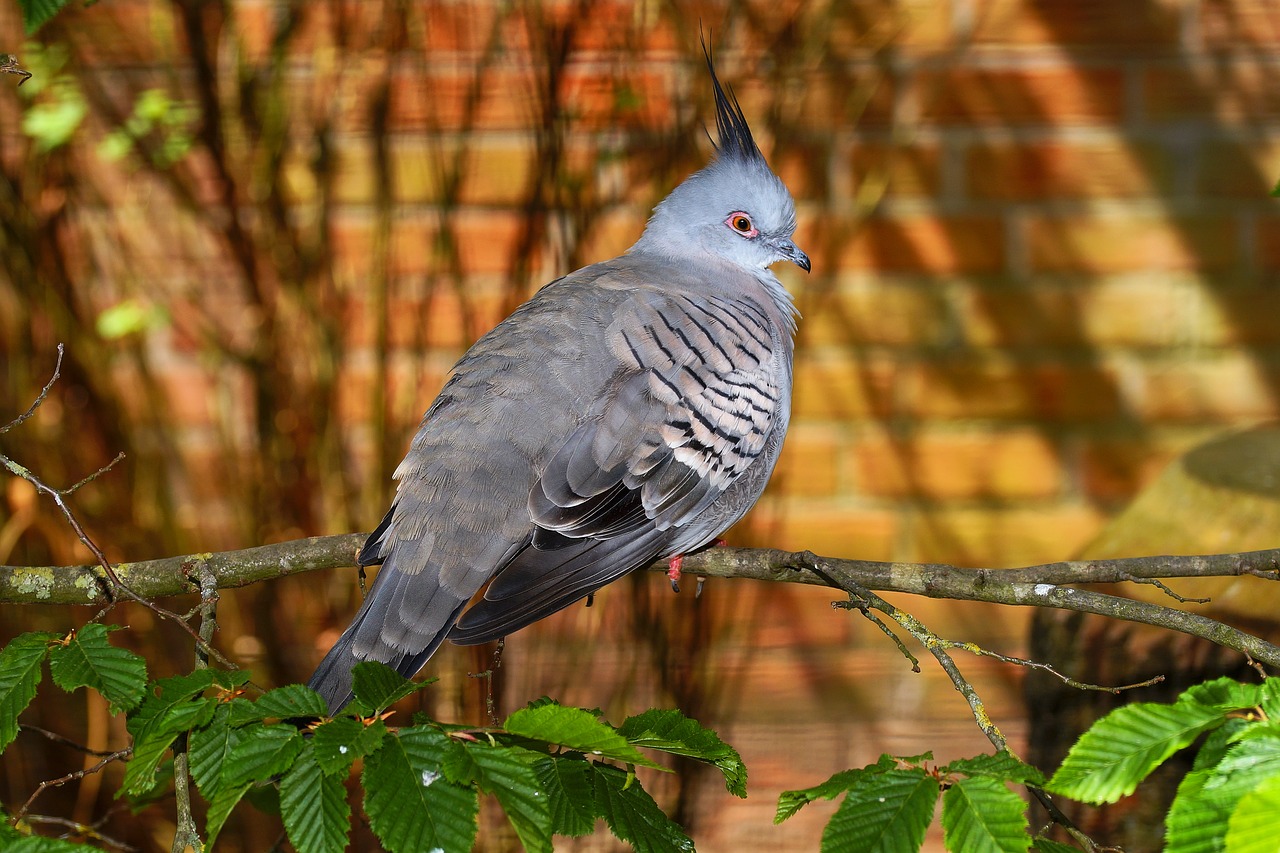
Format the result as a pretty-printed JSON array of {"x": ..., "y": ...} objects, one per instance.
[{"x": 1049, "y": 585}]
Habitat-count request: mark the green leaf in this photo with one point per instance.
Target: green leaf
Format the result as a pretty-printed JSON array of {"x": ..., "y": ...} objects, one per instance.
[
  {"x": 1254, "y": 826},
  {"x": 37, "y": 13},
  {"x": 338, "y": 743},
  {"x": 632, "y": 815},
  {"x": 1003, "y": 765},
  {"x": 294, "y": 701},
  {"x": 411, "y": 806},
  {"x": 261, "y": 753},
  {"x": 377, "y": 687},
  {"x": 1217, "y": 743},
  {"x": 568, "y": 783},
  {"x": 132, "y": 315},
  {"x": 314, "y": 807},
  {"x": 576, "y": 729},
  {"x": 1270, "y": 698},
  {"x": 883, "y": 813},
  {"x": 86, "y": 659},
  {"x": 209, "y": 751},
  {"x": 1275, "y": 191},
  {"x": 173, "y": 707},
  {"x": 19, "y": 675},
  {"x": 673, "y": 732},
  {"x": 1223, "y": 694},
  {"x": 51, "y": 124},
  {"x": 1198, "y": 819},
  {"x": 981, "y": 815},
  {"x": 1118, "y": 751},
  {"x": 790, "y": 802},
  {"x": 220, "y": 807},
  {"x": 508, "y": 773}
]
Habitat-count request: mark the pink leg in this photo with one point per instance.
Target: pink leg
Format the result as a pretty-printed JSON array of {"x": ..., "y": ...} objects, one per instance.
[{"x": 673, "y": 571}]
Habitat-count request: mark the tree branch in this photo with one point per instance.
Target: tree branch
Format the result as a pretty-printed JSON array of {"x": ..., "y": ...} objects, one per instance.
[{"x": 1048, "y": 585}]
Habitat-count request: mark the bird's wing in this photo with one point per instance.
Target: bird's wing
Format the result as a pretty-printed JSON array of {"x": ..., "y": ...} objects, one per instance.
[{"x": 697, "y": 392}]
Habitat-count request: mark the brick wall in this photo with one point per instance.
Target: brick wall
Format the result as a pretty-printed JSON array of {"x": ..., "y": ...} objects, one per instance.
[
  {"x": 1045, "y": 260},
  {"x": 1044, "y": 255}
]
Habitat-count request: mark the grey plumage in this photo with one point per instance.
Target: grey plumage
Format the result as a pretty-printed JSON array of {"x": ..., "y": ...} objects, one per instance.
[{"x": 629, "y": 411}]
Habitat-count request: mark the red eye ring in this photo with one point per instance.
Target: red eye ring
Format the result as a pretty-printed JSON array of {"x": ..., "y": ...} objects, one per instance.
[{"x": 741, "y": 223}]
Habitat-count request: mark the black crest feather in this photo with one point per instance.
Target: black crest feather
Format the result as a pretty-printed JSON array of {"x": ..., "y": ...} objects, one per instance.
[{"x": 735, "y": 140}]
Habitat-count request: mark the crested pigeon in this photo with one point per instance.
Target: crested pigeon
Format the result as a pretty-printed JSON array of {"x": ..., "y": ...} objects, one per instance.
[{"x": 630, "y": 411}]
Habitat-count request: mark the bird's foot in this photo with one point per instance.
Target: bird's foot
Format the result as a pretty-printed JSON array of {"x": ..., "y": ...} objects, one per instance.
[{"x": 673, "y": 571}]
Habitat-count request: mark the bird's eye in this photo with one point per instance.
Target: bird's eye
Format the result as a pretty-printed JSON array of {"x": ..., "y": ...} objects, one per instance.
[{"x": 741, "y": 223}]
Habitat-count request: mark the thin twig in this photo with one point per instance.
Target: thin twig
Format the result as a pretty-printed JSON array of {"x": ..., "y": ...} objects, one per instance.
[
  {"x": 9, "y": 65},
  {"x": 80, "y": 829},
  {"x": 65, "y": 741},
  {"x": 1163, "y": 587},
  {"x": 118, "y": 755}
]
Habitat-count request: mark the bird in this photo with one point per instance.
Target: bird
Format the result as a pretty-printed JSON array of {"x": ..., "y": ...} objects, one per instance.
[{"x": 630, "y": 411}]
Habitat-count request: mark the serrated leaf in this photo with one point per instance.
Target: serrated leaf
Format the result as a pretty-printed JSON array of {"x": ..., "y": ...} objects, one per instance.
[
  {"x": 411, "y": 806},
  {"x": 632, "y": 815},
  {"x": 37, "y": 13},
  {"x": 87, "y": 659},
  {"x": 883, "y": 813},
  {"x": 568, "y": 784},
  {"x": 377, "y": 687},
  {"x": 261, "y": 753},
  {"x": 576, "y": 729},
  {"x": 1198, "y": 819},
  {"x": 294, "y": 701},
  {"x": 507, "y": 773},
  {"x": 19, "y": 676},
  {"x": 1217, "y": 743},
  {"x": 220, "y": 807},
  {"x": 1121, "y": 749},
  {"x": 163, "y": 696},
  {"x": 172, "y": 707},
  {"x": 314, "y": 807},
  {"x": 209, "y": 751},
  {"x": 1223, "y": 694},
  {"x": 790, "y": 802},
  {"x": 1254, "y": 825},
  {"x": 140, "y": 771},
  {"x": 338, "y": 743},
  {"x": 1002, "y": 765},
  {"x": 981, "y": 815},
  {"x": 1269, "y": 698},
  {"x": 671, "y": 731}
]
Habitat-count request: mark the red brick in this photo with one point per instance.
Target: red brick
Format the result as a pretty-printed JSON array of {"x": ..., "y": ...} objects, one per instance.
[
  {"x": 868, "y": 26},
  {"x": 856, "y": 98},
  {"x": 1002, "y": 538},
  {"x": 827, "y": 528},
  {"x": 1238, "y": 91},
  {"x": 909, "y": 243},
  {"x": 810, "y": 461},
  {"x": 942, "y": 466},
  {"x": 1242, "y": 169},
  {"x": 1083, "y": 23},
  {"x": 1053, "y": 170},
  {"x": 841, "y": 388},
  {"x": 1156, "y": 311},
  {"x": 1115, "y": 469},
  {"x": 1227, "y": 389},
  {"x": 1234, "y": 314},
  {"x": 1099, "y": 244},
  {"x": 1041, "y": 96},
  {"x": 1007, "y": 389},
  {"x": 1229, "y": 24},
  {"x": 902, "y": 171},
  {"x": 1267, "y": 238},
  {"x": 872, "y": 312}
]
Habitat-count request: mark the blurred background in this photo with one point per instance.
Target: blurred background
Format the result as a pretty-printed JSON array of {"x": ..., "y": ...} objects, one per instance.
[{"x": 1045, "y": 263}]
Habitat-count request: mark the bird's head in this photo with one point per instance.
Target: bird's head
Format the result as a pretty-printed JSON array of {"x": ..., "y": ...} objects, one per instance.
[{"x": 736, "y": 208}]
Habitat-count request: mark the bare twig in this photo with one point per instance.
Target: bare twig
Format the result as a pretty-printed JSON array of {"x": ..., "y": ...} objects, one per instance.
[
  {"x": 118, "y": 755},
  {"x": 57, "y": 365},
  {"x": 82, "y": 830},
  {"x": 9, "y": 65},
  {"x": 65, "y": 741}
]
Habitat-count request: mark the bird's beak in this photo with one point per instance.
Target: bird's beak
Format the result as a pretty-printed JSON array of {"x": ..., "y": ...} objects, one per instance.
[{"x": 791, "y": 252}]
